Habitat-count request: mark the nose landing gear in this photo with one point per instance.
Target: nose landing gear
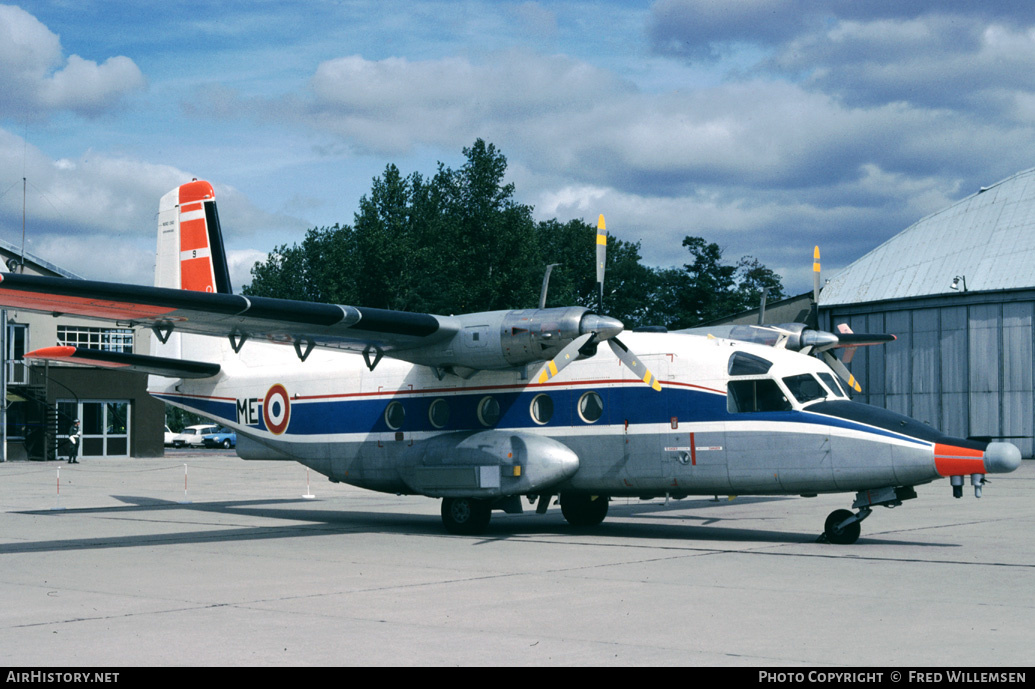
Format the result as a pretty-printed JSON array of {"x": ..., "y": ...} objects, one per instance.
[{"x": 843, "y": 528}]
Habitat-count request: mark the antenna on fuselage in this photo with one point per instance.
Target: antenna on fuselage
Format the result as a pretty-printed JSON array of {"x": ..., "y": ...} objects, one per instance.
[{"x": 546, "y": 284}]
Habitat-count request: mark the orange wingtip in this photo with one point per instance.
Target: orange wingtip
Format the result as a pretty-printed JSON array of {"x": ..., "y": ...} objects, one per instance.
[
  {"x": 59, "y": 352},
  {"x": 66, "y": 353}
]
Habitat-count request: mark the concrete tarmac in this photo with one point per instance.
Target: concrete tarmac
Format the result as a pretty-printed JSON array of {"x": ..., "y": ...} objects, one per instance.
[{"x": 128, "y": 567}]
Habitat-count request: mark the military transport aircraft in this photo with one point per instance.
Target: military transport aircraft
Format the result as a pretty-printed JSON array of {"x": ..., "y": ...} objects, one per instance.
[{"x": 485, "y": 409}]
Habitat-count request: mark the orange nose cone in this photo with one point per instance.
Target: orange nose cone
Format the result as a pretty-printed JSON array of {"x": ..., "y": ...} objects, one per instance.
[
  {"x": 997, "y": 458},
  {"x": 951, "y": 460}
]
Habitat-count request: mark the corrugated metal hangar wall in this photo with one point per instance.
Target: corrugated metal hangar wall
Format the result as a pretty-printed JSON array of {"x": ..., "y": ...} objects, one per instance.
[{"x": 958, "y": 290}]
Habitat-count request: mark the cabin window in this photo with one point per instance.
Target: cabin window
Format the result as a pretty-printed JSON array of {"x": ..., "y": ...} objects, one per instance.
[
  {"x": 591, "y": 407},
  {"x": 395, "y": 414},
  {"x": 438, "y": 413},
  {"x": 744, "y": 364},
  {"x": 755, "y": 395},
  {"x": 488, "y": 411},
  {"x": 805, "y": 387},
  {"x": 542, "y": 409}
]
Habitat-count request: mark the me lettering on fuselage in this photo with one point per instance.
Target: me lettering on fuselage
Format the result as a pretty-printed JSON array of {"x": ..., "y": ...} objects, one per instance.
[
  {"x": 488, "y": 410},
  {"x": 248, "y": 411}
]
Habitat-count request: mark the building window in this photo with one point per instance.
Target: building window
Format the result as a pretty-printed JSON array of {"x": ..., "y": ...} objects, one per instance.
[
  {"x": 105, "y": 339},
  {"x": 17, "y": 344},
  {"x": 104, "y": 425}
]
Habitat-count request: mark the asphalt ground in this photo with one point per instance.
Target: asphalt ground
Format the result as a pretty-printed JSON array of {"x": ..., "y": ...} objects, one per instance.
[{"x": 203, "y": 559}]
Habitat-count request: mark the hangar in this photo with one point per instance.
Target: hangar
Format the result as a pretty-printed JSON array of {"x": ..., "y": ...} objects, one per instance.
[{"x": 957, "y": 288}]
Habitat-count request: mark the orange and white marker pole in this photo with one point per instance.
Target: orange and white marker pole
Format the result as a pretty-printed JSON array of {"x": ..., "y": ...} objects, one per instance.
[
  {"x": 57, "y": 505},
  {"x": 186, "y": 500}
]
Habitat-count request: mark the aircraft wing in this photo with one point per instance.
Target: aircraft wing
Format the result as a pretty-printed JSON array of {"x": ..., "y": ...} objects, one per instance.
[
  {"x": 304, "y": 324},
  {"x": 161, "y": 366}
]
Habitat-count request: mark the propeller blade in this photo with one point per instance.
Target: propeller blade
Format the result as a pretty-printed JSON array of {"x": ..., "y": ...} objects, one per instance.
[
  {"x": 841, "y": 371},
  {"x": 601, "y": 260},
  {"x": 813, "y": 318},
  {"x": 564, "y": 357},
  {"x": 634, "y": 364},
  {"x": 815, "y": 275}
]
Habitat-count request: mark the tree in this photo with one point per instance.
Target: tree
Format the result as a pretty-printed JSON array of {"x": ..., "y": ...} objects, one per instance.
[
  {"x": 458, "y": 242},
  {"x": 711, "y": 289}
]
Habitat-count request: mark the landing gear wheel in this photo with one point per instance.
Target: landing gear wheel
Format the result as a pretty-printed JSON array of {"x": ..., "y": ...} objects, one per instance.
[
  {"x": 583, "y": 510},
  {"x": 465, "y": 516},
  {"x": 841, "y": 536}
]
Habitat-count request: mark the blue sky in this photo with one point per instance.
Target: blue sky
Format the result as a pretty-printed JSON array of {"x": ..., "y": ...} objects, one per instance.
[{"x": 765, "y": 126}]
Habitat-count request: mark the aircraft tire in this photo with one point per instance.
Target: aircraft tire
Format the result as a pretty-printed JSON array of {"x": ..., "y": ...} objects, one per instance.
[
  {"x": 583, "y": 510},
  {"x": 845, "y": 536},
  {"x": 465, "y": 516}
]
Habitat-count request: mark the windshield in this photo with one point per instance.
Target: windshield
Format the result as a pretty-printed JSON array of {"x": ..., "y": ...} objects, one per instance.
[
  {"x": 805, "y": 387},
  {"x": 833, "y": 384}
]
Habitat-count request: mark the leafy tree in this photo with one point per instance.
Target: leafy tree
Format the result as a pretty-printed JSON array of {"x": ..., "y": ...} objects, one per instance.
[{"x": 458, "y": 242}]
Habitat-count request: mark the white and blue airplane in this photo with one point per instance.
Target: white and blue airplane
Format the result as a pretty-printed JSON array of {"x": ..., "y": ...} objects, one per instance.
[{"x": 486, "y": 409}]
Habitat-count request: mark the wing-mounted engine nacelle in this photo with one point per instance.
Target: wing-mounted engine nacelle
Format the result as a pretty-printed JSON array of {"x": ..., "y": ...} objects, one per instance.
[
  {"x": 792, "y": 336},
  {"x": 487, "y": 464},
  {"x": 495, "y": 340},
  {"x": 540, "y": 334}
]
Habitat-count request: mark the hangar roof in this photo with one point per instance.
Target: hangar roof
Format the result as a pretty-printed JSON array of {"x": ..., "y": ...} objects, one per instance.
[{"x": 987, "y": 238}]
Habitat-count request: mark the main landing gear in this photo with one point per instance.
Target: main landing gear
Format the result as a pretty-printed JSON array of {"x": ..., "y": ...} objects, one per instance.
[
  {"x": 466, "y": 516},
  {"x": 843, "y": 527},
  {"x": 470, "y": 516},
  {"x": 581, "y": 510}
]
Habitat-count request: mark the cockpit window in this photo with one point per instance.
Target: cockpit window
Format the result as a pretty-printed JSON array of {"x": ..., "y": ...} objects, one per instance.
[
  {"x": 805, "y": 387},
  {"x": 755, "y": 395},
  {"x": 744, "y": 364},
  {"x": 833, "y": 384}
]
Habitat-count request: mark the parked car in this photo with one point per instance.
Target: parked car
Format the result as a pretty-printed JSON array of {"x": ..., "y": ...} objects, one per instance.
[
  {"x": 169, "y": 437},
  {"x": 192, "y": 435},
  {"x": 223, "y": 437}
]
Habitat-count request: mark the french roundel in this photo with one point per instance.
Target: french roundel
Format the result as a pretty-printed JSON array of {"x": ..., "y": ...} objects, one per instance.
[{"x": 276, "y": 409}]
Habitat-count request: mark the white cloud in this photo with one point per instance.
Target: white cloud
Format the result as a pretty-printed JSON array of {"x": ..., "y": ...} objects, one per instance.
[
  {"x": 96, "y": 214},
  {"x": 35, "y": 79}
]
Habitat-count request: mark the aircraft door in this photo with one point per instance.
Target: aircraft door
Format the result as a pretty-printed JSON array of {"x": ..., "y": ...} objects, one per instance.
[
  {"x": 694, "y": 452},
  {"x": 647, "y": 418}
]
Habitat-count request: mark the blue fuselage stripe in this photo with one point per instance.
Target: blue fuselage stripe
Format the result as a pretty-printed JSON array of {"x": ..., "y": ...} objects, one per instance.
[{"x": 633, "y": 404}]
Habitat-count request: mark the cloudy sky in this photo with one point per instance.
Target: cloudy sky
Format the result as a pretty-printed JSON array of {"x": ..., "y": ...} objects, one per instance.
[{"x": 767, "y": 126}]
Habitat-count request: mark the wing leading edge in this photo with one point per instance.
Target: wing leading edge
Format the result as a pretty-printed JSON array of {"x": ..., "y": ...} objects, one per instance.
[{"x": 165, "y": 310}]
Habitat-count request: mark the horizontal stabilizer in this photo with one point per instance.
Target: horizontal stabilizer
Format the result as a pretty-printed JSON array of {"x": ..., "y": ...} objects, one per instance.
[{"x": 159, "y": 366}]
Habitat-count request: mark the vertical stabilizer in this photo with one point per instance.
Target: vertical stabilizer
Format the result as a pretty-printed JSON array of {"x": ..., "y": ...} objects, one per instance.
[
  {"x": 190, "y": 243},
  {"x": 190, "y": 256}
]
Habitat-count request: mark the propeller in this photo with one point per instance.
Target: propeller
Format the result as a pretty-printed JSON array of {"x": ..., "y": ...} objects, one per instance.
[
  {"x": 634, "y": 364},
  {"x": 813, "y": 319},
  {"x": 565, "y": 357},
  {"x": 596, "y": 328}
]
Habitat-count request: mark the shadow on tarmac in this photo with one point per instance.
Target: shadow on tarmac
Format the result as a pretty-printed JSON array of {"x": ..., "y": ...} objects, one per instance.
[{"x": 529, "y": 526}]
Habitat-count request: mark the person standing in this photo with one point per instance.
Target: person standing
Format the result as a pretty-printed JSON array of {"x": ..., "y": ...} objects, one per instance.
[{"x": 73, "y": 439}]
